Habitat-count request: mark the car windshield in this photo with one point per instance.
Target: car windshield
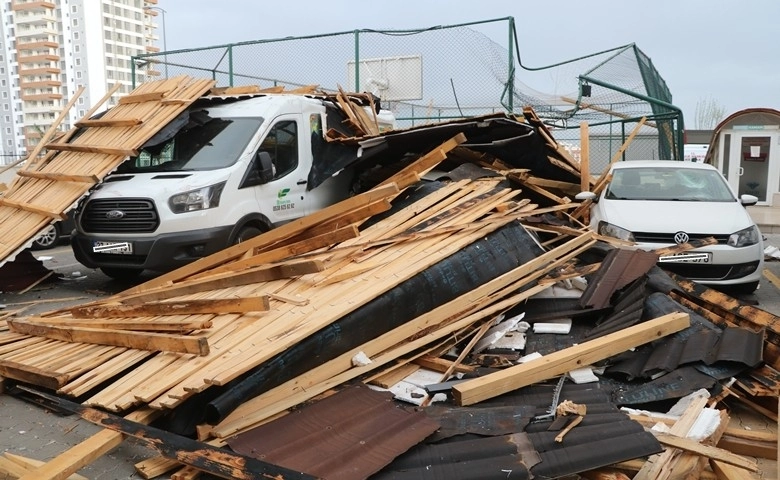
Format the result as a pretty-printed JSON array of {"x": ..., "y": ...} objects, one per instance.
[
  {"x": 665, "y": 183},
  {"x": 215, "y": 144}
]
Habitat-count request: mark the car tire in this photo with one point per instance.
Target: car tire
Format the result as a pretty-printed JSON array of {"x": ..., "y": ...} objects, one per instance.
[
  {"x": 246, "y": 233},
  {"x": 122, "y": 274},
  {"x": 48, "y": 239}
]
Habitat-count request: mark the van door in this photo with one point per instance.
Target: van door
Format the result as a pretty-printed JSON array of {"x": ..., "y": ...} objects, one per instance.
[{"x": 285, "y": 197}]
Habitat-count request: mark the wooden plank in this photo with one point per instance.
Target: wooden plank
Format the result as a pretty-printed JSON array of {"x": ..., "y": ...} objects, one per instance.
[
  {"x": 263, "y": 273},
  {"x": 31, "y": 463},
  {"x": 155, "y": 342},
  {"x": 28, "y": 207},
  {"x": 74, "y": 147},
  {"x": 141, "y": 97},
  {"x": 155, "y": 325},
  {"x": 274, "y": 236},
  {"x": 109, "y": 122},
  {"x": 715, "y": 453},
  {"x": 86, "y": 452},
  {"x": 560, "y": 362},
  {"x": 32, "y": 375},
  {"x": 584, "y": 157},
  {"x": 426, "y": 162},
  {"x": 725, "y": 471},
  {"x": 184, "y": 307},
  {"x": 59, "y": 177},
  {"x": 773, "y": 279}
]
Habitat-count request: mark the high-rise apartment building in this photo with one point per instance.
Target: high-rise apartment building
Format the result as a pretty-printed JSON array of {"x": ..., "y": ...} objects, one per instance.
[{"x": 50, "y": 48}]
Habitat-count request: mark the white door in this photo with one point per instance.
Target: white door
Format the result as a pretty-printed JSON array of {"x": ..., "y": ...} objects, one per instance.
[{"x": 753, "y": 161}]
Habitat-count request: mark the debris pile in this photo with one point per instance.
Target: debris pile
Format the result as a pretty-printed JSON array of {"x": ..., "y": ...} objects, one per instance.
[{"x": 468, "y": 326}]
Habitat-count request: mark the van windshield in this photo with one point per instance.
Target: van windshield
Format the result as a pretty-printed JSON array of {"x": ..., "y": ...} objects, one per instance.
[{"x": 217, "y": 143}]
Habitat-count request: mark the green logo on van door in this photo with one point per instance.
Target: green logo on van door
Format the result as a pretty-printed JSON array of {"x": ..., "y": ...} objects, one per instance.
[{"x": 282, "y": 193}]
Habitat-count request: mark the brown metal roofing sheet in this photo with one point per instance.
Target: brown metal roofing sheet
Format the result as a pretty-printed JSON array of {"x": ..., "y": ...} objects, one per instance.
[
  {"x": 349, "y": 435},
  {"x": 619, "y": 268}
]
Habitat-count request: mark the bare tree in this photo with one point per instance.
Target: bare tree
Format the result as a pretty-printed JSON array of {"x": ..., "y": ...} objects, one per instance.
[{"x": 708, "y": 113}]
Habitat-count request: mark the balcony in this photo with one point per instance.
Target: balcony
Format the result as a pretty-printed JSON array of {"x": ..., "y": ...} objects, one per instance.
[
  {"x": 41, "y": 97},
  {"x": 42, "y": 84},
  {"x": 40, "y": 71},
  {"x": 40, "y": 58},
  {"x": 34, "y": 5},
  {"x": 37, "y": 45}
]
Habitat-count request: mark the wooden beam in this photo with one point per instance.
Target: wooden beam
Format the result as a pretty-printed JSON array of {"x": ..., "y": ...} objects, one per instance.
[
  {"x": 156, "y": 325},
  {"x": 584, "y": 157},
  {"x": 184, "y": 307},
  {"x": 59, "y": 177},
  {"x": 562, "y": 361},
  {"x": 274, "y": 236},
  {"x": 715, "y": 453},
  {"x": 86, "y": 452},
  {"x": 110, "y": 122},
  {"x": 28, "y": 207},
  {"x": 426, "y": 162},
  {"x": 141, "y": 97},
  {"x": 73, "y": 147},
  {"x": 156, "y": 342}
]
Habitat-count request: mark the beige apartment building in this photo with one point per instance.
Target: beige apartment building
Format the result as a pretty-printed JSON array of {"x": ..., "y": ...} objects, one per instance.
[{"x": 49, "y": 49}]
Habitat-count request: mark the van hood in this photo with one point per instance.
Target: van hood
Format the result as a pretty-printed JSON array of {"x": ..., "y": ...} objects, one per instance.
[
  {"x": 156, "y": 185},
  {"x": 673, "y": 216}
]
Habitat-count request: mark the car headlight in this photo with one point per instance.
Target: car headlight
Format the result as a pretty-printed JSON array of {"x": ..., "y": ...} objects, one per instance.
[
  {"x": 745, "y": 237},
  {"x": 609, "y": 230},
  {"x": 200, "y": 199}
]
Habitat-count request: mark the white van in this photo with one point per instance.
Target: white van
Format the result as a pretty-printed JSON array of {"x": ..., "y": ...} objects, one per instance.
[{"x": 222, "y": 172}]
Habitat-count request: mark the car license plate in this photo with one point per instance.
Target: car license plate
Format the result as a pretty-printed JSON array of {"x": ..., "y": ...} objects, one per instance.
[
  {"x": 116, "y": 248},
  {"x": 687, "y": 257}
]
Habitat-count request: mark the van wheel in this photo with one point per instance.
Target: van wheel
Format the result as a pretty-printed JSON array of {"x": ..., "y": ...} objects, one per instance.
[
  {"x": 122, "y": 273},
  {"x": 246, "y": 233}
]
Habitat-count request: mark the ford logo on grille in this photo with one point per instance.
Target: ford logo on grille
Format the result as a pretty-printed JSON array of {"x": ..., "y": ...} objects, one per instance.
[
  {"x": 681, "y": 237},
  {"x": 115, "y": 214}
]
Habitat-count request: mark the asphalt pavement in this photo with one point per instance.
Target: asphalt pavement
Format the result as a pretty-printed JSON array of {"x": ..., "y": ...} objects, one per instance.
[{"x": 34, "y": 432}]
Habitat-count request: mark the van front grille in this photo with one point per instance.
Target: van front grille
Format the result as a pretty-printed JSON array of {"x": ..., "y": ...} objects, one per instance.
[{"x": 120, "y": 215}]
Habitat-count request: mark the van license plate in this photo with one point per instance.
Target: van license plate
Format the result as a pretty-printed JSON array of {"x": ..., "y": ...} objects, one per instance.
[
  {"x": 117, "y": 248},
  {"x": 687, "y": 257}
]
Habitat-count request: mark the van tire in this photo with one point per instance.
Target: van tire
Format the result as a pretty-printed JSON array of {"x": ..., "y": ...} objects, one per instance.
[
  {"x": 246, "y": 233},
  {"x": 122, "y": 273}
]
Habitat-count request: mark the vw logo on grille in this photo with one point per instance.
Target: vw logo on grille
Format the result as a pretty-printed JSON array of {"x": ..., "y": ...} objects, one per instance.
[
  {"x": 681, "y": 237},
  {"x": 115, "y": 214}
]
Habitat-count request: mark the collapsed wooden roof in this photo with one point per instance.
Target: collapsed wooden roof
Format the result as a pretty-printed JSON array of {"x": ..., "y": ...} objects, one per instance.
[
  {"x": 147, "y": 351},
  {"x": 47, "y": 188}
]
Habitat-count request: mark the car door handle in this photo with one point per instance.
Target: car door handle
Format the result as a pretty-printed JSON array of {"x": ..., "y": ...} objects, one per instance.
[
  {"x": 740, "y": 172},
  {"x": 301, "y": 182}
]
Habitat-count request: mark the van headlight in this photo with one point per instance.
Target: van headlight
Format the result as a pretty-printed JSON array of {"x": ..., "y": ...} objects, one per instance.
[
  {"x": 608, "y": 230},
  {"x": 200, "y": 199},
  {"x": 745, "y": 237}
]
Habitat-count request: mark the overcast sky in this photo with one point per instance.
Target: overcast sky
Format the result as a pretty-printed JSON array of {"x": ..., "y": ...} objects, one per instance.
[{"x": 706, "y": 50}]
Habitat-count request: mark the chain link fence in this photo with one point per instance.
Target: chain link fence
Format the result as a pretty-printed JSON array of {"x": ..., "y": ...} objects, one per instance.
[{"x": 448, "y": 72}]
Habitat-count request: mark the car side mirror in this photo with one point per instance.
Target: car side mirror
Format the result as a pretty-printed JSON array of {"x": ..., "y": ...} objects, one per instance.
[
  {"x": 748, "y": 200},
  {"x": 265, "y": 166},
  {"x": 586, "y": 196}
]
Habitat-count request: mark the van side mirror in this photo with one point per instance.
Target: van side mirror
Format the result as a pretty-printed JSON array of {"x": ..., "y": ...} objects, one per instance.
[{"x": 265, "y": 166}]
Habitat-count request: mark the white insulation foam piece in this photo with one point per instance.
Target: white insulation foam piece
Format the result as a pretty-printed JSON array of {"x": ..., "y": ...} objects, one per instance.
[
  {"x": 561, "y": 326},
  {"x": 583, "y": 375},
  {"x": 495, "y": 333}
]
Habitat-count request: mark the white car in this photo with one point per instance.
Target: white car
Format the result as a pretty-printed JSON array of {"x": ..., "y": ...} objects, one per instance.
[{"x": 659, "y": 203}]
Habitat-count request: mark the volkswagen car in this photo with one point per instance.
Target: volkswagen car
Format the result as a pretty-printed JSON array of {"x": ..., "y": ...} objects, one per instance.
[{"x": 660, "y": 203}]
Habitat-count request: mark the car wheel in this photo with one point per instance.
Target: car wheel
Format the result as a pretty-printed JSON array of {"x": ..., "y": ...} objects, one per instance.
[
  {"x": 47, "y": 239},
  {"x": 744, "y": 288},
  {"x": 246, "y": 233},
  {"x": 118, "y": 273}
]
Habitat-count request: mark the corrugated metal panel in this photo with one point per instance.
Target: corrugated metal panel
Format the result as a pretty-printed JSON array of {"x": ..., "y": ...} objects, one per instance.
[
  {"x": 619, "y": 268},
  {"x": 349, "y": 435}
]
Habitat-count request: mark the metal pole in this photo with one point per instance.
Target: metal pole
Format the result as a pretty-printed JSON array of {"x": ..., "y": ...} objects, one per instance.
[{"x": 165, "y": 40}]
